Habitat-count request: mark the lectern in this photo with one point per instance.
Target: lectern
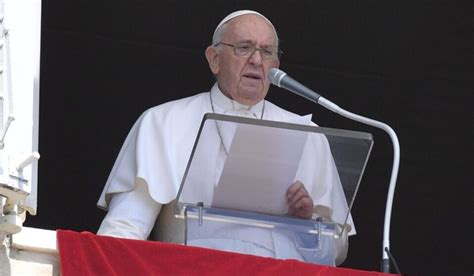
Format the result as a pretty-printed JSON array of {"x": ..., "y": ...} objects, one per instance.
[{"x": 234, "y": 186}]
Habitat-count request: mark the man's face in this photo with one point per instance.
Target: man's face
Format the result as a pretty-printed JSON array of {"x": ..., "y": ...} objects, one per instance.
[{"x": 244, "y": 79}]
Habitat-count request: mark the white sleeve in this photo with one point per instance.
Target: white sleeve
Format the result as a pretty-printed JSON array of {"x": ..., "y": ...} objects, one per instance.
[
  {"x": 341, "y": 246},
  {"x": 131, "y": 214},
  {"x": 319, "y": 174}
]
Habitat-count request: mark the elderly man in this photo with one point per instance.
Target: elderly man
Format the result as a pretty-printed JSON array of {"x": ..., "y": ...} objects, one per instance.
[{"x": 147, "y": 174}]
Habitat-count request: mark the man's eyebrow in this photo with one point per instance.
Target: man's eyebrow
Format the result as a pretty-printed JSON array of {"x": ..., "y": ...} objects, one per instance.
[
  {"x": 244, "y": 41},
  {"x": 252, "y": 42}
]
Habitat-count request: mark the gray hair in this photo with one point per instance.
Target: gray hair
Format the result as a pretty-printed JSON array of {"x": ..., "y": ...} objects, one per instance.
[{"x": 217, "y": 37}]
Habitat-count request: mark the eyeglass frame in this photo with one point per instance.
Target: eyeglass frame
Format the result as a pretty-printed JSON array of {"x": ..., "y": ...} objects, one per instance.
[{"x": 279, "y": 52}]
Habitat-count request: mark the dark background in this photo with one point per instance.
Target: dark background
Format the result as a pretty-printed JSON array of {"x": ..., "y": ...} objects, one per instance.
[{"x": 409, "y": 64}]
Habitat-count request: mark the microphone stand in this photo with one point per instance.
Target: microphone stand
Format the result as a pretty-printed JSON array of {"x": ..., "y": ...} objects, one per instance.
[
  {"x": 281, "y": 79},
  {"x": 385, "y": 265}
]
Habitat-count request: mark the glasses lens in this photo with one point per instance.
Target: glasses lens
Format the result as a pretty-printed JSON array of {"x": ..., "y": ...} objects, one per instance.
[
  {"x": 247, "y": 49},
  {"x": 244, "y": 49},
  {"x": 268, "y": 53}
]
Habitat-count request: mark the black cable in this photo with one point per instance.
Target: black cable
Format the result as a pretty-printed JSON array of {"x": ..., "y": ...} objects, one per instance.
[{"x": 393, "y": 260}]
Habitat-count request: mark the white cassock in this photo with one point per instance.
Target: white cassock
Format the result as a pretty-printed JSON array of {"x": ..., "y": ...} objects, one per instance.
[{"x": 148, "y": 171}]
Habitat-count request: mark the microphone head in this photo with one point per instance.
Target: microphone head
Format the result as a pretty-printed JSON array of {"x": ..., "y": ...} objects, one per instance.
[{"x": 275, "y": 75}]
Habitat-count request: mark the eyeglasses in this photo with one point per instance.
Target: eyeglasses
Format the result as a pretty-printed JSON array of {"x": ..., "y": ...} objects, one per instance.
[{"x": 246, "y": 50}]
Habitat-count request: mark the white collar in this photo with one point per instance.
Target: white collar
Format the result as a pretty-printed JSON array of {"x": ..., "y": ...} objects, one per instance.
[{"x": 224, "y": 104}]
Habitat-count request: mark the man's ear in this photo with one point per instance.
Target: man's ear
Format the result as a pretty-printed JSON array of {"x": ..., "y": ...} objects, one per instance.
[
  {"x": 276, "y": 64},
  {"x": 213, "y": 59}
]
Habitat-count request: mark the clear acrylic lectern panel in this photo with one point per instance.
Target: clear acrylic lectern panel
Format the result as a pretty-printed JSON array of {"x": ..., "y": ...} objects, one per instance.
[{"x": 235, "y": 184}]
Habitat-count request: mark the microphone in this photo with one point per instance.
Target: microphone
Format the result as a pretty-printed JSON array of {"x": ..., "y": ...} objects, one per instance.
[{"x": 281, "y": 79}]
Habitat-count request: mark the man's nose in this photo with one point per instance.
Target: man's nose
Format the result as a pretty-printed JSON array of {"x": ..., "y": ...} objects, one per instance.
[{"x": 256, "y": 57}]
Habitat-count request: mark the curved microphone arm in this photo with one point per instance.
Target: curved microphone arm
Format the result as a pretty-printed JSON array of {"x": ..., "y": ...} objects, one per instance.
[
  {"x": 393, "y": 178},
  {"x": 281, "y": 79}
]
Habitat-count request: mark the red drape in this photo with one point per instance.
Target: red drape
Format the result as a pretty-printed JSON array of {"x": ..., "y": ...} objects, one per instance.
[{"x": 88, "y": 254}]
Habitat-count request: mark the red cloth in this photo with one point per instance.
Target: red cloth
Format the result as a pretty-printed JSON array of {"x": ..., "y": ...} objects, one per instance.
[{"x": 88, "y": 254}]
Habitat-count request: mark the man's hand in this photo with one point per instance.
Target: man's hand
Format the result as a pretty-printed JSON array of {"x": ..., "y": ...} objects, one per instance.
[{"x": 299, "y": 201}]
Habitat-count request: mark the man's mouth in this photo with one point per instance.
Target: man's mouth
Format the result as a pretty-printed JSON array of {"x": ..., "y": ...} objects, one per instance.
[{"x": 253, "y": 76}]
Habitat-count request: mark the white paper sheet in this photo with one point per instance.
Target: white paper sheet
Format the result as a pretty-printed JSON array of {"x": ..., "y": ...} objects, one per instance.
[{"x": 261, "y": 165}]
